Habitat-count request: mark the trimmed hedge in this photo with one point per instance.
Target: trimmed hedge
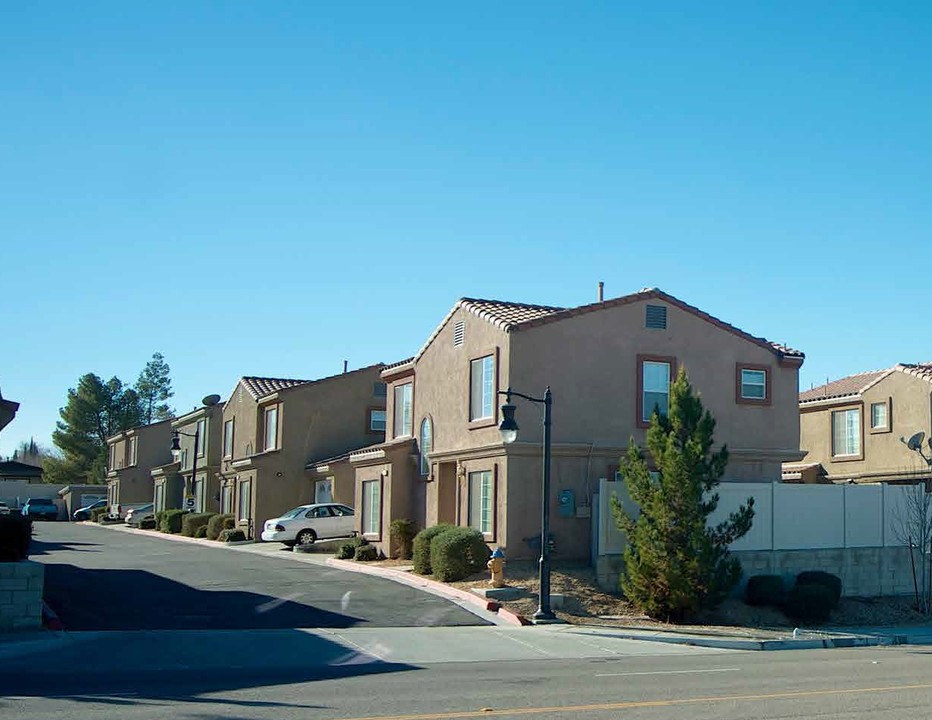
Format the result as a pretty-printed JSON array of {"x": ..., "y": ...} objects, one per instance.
[
  {"x": 192, "y": 521},
  {"x": 402, "y": 534},
  {"x": 148, "y": 524},
  {"x": 15, "y": 536},
  {"x": 422, "y": 543},
  {"x": 765, "y": 590},
  {"x": 810, "y": 603},
  {"x": 817, "y": 577},
  {"x": 229, "y": 523},
  {"x": 107, "y": 520},
  {"x": 215, "y": 525},
  {"x": 347, "y": 551},
  {"x": 201, "y": 531},
  {"x": 97, "y": 512},
  {"x": 171, "y": 521},
  {"x": 232, "y": 536},
  {"x": 366, "y": 553},
  {"x": 457, "y": 553}
]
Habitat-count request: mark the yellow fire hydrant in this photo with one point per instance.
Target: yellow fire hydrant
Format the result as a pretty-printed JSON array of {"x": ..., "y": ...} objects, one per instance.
[{"x": 497, "y": 566}]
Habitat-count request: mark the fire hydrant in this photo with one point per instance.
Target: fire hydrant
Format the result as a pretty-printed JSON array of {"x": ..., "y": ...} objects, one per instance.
[{"x": 497, "y": 566}]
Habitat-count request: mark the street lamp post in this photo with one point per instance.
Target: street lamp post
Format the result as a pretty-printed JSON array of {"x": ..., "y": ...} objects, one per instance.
[
  {"x": 176, "y": 452},
  {"x": 509, "y": 431}
]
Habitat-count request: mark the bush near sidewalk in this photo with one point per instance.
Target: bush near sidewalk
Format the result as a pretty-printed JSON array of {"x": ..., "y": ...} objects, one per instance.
[
  {"x": 402, "y": 532},
  {"x": 347, "y": 551},
  {"x": 15, "y": 536},
  {"x": 171, "y": 521},
  {"x": 148, "y": 524},
  {"x": 763, "y": 590},
  {"x": 216, "y": 525},
  {"x": 232, "y": 536},
  {"x": 97, "y": 512},
  {"x": 457, "y": 553},
  {"x": 190, "y": 522},
  {"x": 830, "y": 582},
  {"x": 422, "y": 547}
]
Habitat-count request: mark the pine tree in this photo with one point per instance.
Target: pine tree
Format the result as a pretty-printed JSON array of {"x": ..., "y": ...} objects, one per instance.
[
  {"x": 154, "y": 388},
  {"x": 675, "y": 564}
]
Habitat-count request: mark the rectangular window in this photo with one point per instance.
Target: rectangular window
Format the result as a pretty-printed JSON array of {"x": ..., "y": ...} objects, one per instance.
[
  {"x": 753, "y": 384},
  {"x": 879, "y": 416},
  {"x": 201, "y": 430},
  {"x": 132, "y": 450},
  {"x": 480, "y": 501},
  {"x": 226, "y": 504},
  {"x": 403, "y": 398},
  {"x": 846, "y": 432},
  {"x": 372, "y": 507},
  {"x": 271, "y": 428},
  {"x": 184, "y": 458},
  {"x": 245, "y": 499},
  {"x": 228, "y": 438},
  {"x": 113, "y": 457},
  {"x": 655, "y": 388},
  {"x": 379, "y": 389},
  {"x": 158, "y": 502},
  {"x": 323, "y": 491},
  {"x": 377, "y": 420},
  {"x": 482, "y": 388}
]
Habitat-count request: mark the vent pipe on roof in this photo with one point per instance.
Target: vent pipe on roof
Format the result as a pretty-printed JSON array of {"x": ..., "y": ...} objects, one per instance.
[
  {"x": 345, "y": 365},
  {"x": 601, "y": 291}
]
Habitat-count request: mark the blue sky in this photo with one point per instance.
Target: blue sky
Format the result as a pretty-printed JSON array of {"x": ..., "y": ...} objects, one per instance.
[{"x": 272, "y": 188}]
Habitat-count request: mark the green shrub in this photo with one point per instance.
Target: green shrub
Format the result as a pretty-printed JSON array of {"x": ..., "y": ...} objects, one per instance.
[
  {"x": 15, "y": 536},
  {"x": 190, "y": 522},
  {"x": 817, "y": 577},
  {"x": 171, "y": 521},
  {"x": 366, "y": 553},
  {"x": 457, "y": 553},
  {"x": 422, "y": 547},
  {"x": 201, "y": 531},
  {"x": 402, "y": 534},
  {"x": 229, "y": 523},
  {"x": 232, "y": 535},
  {"x": 764, "y": 590},
  {"x": 810, "y": 603},
  {"x": 107, "y": 520},
  {"x": 347, "y": 550},
  {"x": 148, "y": 524},
  {"x": 215, "y": 525},
  {"x": 97, "y": 512}
]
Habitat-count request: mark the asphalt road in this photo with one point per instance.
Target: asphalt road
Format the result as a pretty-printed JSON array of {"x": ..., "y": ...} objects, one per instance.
[{"x": 101, "y": 579}]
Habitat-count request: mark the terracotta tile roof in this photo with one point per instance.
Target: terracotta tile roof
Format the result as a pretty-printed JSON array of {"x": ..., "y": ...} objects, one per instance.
[
  {"x": 259, "y": 387},
  {"x": 844, "y": 387},
  {"x": 920, "y": 370},
  {"x": 507, "y": 314}
]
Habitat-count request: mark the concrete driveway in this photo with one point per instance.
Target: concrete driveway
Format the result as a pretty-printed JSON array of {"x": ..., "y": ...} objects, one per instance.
[{"x": 102, "y": 579}]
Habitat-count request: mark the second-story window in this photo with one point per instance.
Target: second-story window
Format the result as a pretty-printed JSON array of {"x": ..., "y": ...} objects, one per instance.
[
  {"x": 482, "y": 388},
  {"x": 113, "y": 457},
  {"x": 402, "y": 410},
  {"x": 184, "y": 458},
  {"x": 132, "y": 450},
  {"x": 228, "y": 438},
  {"x": 425, "y": 445},
  {"x": 201, "y": 437},
  {"x": 846, "y": 432},
  {"x": 879, "y": 416},
  {"x": 271, "y": 428},
  {"x": 655, "y": 388},
  {"x": 376, "y": 420}
]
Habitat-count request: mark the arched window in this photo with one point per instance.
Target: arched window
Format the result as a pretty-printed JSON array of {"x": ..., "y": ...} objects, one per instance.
[{"x": 425, "y": 445}]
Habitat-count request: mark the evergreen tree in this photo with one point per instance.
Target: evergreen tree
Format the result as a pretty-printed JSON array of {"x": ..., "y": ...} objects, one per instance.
[
  {"x": 675, "y": 564},
  {"x": 95, "y": 410},
  {"x": 154, "y": 388}
]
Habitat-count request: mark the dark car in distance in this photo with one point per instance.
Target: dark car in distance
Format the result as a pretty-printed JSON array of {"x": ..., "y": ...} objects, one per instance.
[{"x": 40, "y": 508}]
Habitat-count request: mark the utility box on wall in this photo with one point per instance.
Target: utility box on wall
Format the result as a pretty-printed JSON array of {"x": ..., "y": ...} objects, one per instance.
[{"x": 567, "y": 507}]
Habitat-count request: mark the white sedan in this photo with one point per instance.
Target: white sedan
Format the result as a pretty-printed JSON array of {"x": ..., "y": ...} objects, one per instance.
[{"x": 308, "y": 523}]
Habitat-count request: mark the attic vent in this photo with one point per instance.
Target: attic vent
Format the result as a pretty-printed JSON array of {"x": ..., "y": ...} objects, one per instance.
[
  {"x": 459, "y": 332},
  {"x": 656, "y": 318}
]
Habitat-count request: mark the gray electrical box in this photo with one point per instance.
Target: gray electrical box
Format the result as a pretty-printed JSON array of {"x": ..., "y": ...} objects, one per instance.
[{"x": 567, "y": 506}]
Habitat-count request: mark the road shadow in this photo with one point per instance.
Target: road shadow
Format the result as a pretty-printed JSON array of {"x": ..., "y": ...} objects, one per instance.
[
  {"x": 45, "y": 547},
  {"x": 126, "y": 599}
]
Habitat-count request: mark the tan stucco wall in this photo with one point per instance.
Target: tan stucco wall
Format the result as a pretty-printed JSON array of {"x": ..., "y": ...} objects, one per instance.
[
  {"x": 209, "y": 451},
  {"x": 399, "y": 482},
  {"x": 131, "y": 484},
  {"x": 884, "y": 456}
]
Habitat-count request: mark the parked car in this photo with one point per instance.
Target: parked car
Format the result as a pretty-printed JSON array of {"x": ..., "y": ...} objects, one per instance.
[
  {"x": 135, "y": 515},
  {"x": 84, "y": 513},
  {"x": 4, "y": 509},
  {"x": 41, "y": 508},
  {"x": 307, "y": 524}
]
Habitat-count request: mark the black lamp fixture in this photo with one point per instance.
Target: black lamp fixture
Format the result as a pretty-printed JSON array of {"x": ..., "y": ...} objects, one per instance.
[{"x": 509, "y": 430}]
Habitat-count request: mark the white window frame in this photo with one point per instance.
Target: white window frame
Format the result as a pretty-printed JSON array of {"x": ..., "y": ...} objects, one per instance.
[
  {"x": 319, "y": 486},
  {"x": 852, "y": 427},
  {"x": 245, "y": 508},
  {"x": 270, "y": 411},
  {"x": 481, "y": 501},
  {"x": 648, "y": 409},
  {"x": 886, "y": 416},
  {"x": 372, "y": 507},
  {"x": 200, "y": 427},
  {"x": 373, "y": 423},
  {"x": 425, "y": 444},
  {"x": 482, "y": 388},
  {"x": 402, "y": 416},
  {"x": 762, "y": 384},
  {"x": 133, "y": 451},
  {"x": 228, "y": 438}
]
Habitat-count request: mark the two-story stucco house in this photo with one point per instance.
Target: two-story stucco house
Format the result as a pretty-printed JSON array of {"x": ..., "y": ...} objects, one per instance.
[
  {"x": 203, "y": 428},
  {"x": 273, "y": 427},
  {"x": 608, "y": 365},
  {"x": 131, "y": 456},
  {"x": 850, "y": 428}
]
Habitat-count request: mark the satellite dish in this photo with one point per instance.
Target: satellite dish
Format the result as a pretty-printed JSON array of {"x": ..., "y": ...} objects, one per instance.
[
  {"x": 212, "y": 400},
  {"x": 915, "y": 442}
]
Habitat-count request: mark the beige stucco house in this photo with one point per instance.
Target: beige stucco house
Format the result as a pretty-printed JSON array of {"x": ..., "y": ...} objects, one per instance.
[
  {"x": 608, "y": 365},
  {"x": 850, "y": 428},
  {"x": 272, "y": 428},
  {"x": 131, "y": 456}
]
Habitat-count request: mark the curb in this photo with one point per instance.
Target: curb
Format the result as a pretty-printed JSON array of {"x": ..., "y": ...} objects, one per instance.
[{"x": 438, "y": 588}]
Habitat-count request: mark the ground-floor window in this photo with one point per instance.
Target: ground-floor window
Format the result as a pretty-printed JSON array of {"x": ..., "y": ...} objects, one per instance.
[
  {"x": 226, "y": 498},
  {"x": 158, "y": 501},
  {"x": 372, "y": 507},
  {"x": 323, "y": 491},
  {"x": 480, "y": 501},
  {"x": 245, "y": 499}
]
